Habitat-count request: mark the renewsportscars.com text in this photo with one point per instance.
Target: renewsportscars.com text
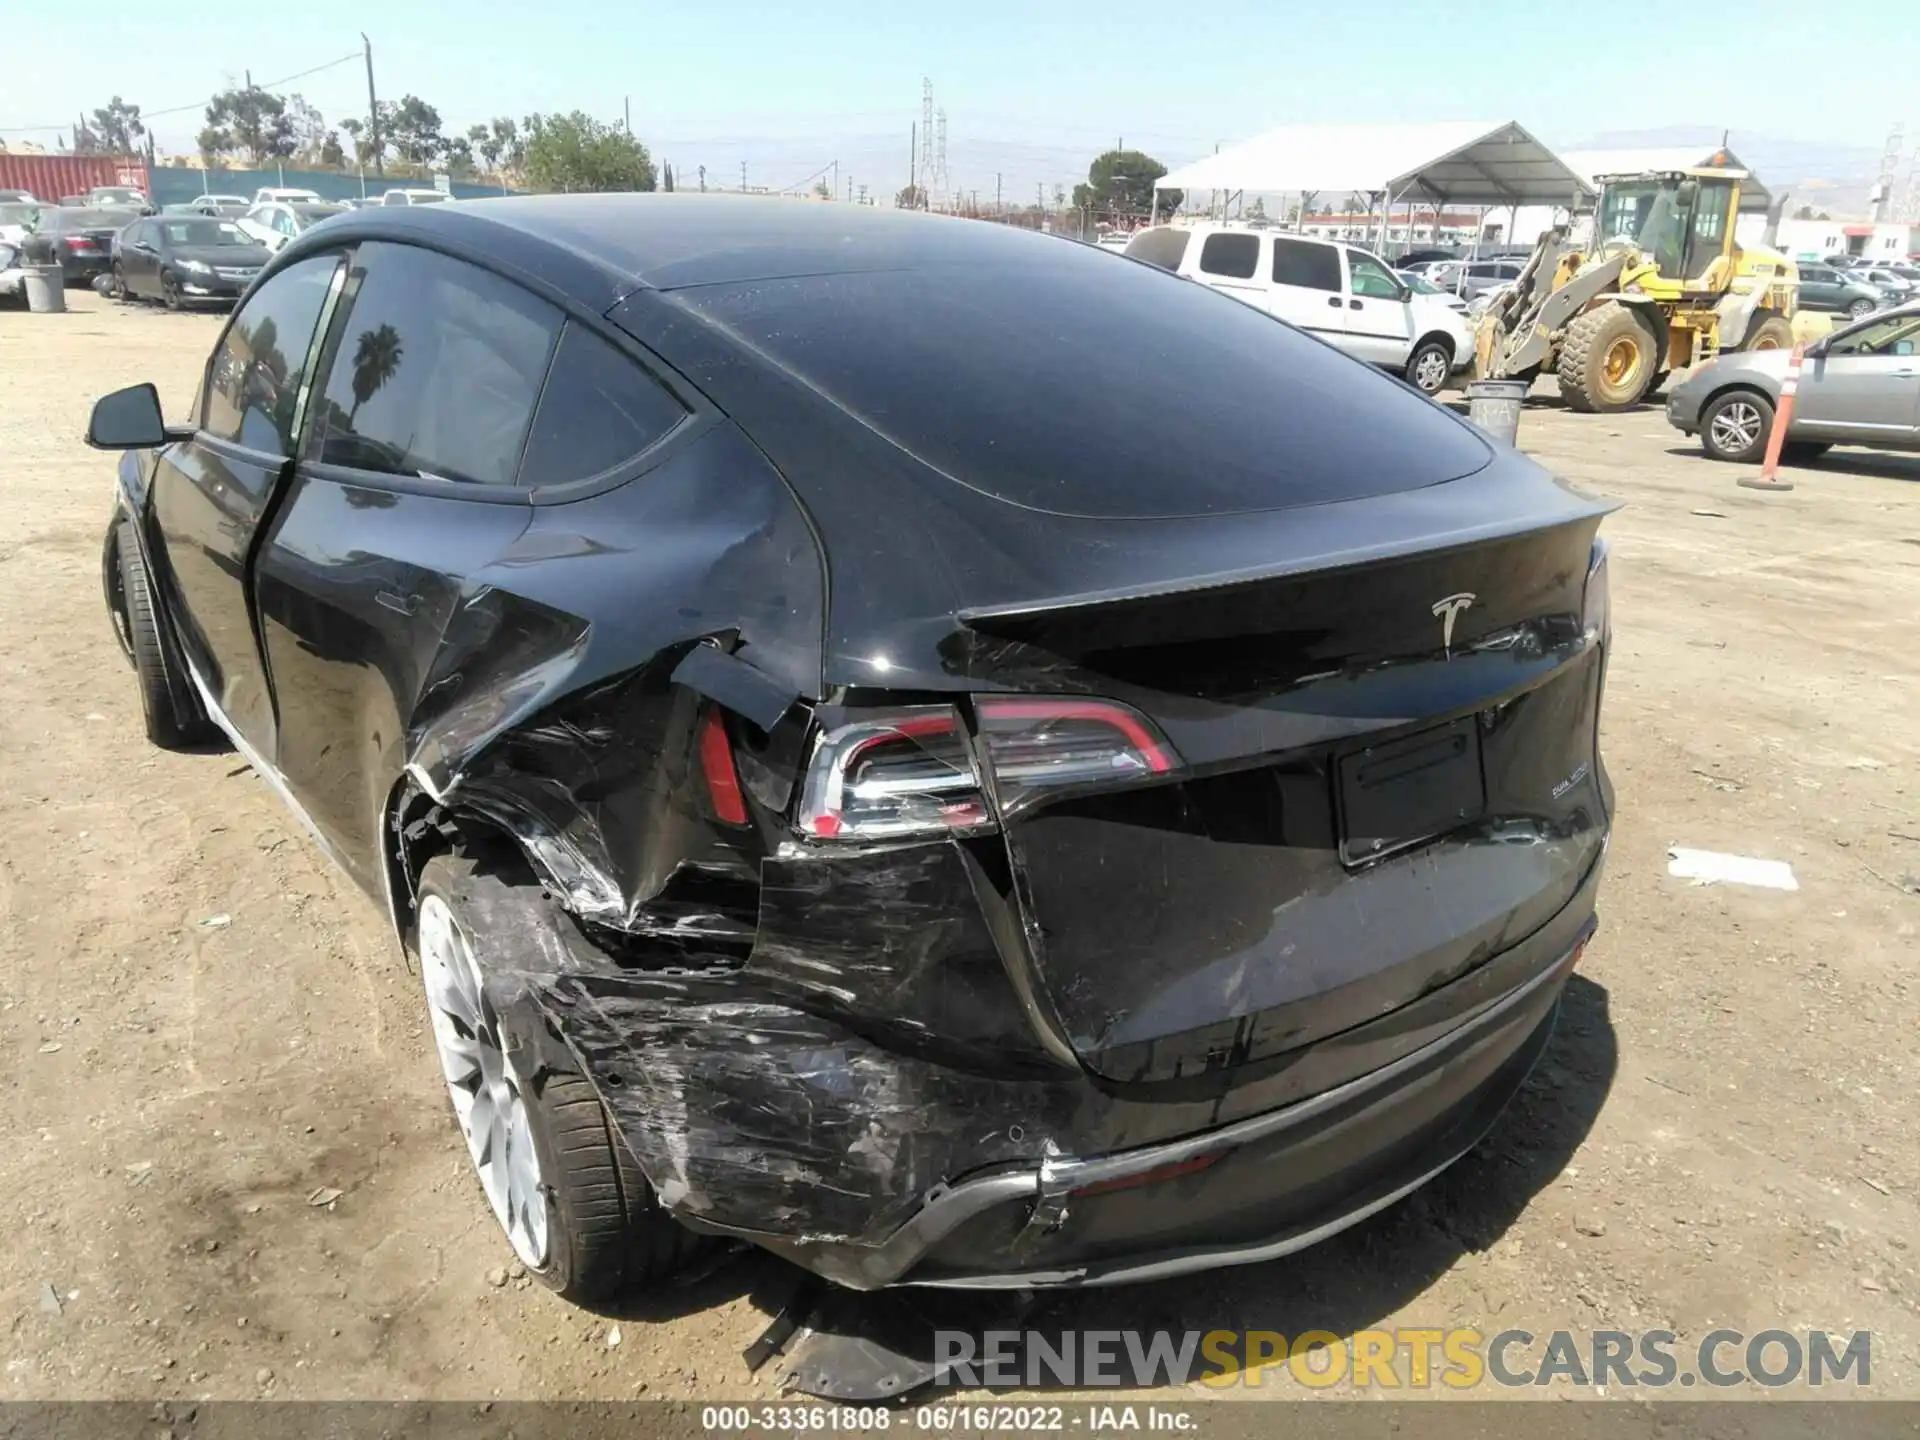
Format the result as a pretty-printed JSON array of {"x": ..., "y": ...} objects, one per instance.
[{"x": 1403, "y": 1359}]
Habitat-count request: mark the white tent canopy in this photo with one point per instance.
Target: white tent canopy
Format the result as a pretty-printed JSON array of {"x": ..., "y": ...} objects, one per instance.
[{"x": 1463, "y": 162}]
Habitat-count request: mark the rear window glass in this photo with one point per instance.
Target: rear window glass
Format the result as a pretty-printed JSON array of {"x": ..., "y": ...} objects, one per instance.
[
  {"x": 1086, "y": 388},
  {"x": 599, "y": 410},
  {"x": 1235, "y": 257},
  {"x": 1303, "y": 263},
  {"x": 1163, "y": 247}
]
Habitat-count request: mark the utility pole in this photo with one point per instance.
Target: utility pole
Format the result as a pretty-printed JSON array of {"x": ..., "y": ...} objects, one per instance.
[
  {"x": 913, "y": 157},
  {"x": 626, "y": 112},
  {"x": 743, "y": 177},
  {"x": 996, "y": 192},
  {"x": 373, "y": 111},
  {"x": 835, "y": 190}
]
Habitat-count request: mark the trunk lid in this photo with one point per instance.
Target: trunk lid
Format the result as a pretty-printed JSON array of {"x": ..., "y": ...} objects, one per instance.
[{"x": 1389, "y": 777}]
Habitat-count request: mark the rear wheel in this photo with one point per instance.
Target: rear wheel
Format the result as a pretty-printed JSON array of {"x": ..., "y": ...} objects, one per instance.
[
  {"x": 169, "y": 290},
  {"x": 1734, "y": 426},
  {"x": 1607, "y": 360},
  {"x": 575, "y": 1206},
  {"x": 172, "y": 712},
  {"x": 1859, "y": 309},
  {"x": 1429, "y": 366}
]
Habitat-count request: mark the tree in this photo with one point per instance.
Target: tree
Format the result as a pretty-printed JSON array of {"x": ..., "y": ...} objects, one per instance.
[
  {"x": 249, "y": 120},
  {"x": 331, "y": 155},
  {"x": 309, "y": 129},
  {"x": 1121, "y": 182},
  {"x": 456, "y": 156},
  {"x": 910, "y": 197},
  {"x": 117, "y": 128},
  {"x": 376, "y": 356},
  {"x": 577, "y": 152},
  {"x": 85, "y": 140},
  {"x": 823, "y": 190},
  {"x": 413, "y": 129},
  {"x": 1257, "y": 210}
]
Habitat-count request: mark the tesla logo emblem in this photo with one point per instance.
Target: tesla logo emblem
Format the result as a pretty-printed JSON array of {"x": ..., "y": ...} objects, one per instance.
[{"x": 1449, "y": 610}]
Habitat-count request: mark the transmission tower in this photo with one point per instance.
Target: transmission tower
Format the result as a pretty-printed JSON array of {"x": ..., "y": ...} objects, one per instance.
[
  {"x": 940, "y": 152},
  {"x": 1910, "y": 202},
  {"x": 1889, "y": 171},
  {"x": 925, "y": 178}
]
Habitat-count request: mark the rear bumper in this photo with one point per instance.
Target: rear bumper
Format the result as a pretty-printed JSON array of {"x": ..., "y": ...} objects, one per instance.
[{"x": 1252, "y": 1191}]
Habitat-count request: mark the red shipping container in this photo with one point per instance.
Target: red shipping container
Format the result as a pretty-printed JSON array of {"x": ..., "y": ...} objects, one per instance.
[{"x": 49, "y": 177}]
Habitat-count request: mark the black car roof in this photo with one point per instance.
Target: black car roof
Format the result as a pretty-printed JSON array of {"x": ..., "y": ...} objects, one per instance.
[{"x": 667, "y": 242}]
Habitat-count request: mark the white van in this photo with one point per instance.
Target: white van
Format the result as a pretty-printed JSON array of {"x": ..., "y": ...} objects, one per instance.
[{"x": 1343, "y": 294}]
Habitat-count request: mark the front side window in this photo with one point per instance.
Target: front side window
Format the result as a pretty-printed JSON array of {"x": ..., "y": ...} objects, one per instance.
[
  {"x": 1231, "y": 256},
  {"x": 1371, "y": 279},
  {"x": 1895, "y": 335},
  {"x": 435, "y": 370},
  {"x": 253, "y": 382},
  {"x": 1303, "y": 263}
]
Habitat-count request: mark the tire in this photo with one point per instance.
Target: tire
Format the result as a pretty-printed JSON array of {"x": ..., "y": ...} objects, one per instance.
[
  {"x": 1800, "y": 452},
  {"x": 120, "y": 291},
  {"x": 1607, "y": 360},
  {"x": 169, "y": 291},
  {"x": 1734, "y": 426},
  {"x": 1430, "y": 365},
  {"x": 174, "y": 717},
  {"x": 585, "y": 1223},
  {"x": 1773, "y": 333},
  {"x": 1860, "y": 309}
]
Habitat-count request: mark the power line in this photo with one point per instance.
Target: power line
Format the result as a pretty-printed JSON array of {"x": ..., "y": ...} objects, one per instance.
[{"x": 146, "y": 115}]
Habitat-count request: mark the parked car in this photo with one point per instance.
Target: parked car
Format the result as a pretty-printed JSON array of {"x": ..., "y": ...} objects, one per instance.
[
  {"x": 1159, "y": 842},
  {"x": 229, "y": 207},
  {"x": 1895, "y": 285},
  {"x": 17, "y": 197},
  {"x": 119, "y": 197},
  {"x": 1423, "y": 286},
  {"x": 414, "y": 197},
  {"x": 185, "y": 261},
  {"x": 1822, "y": 287},
  {"x": 17, "y": 221},
  {"x": 1858, "y": 386},
  {"x": 1344, "y": 295},
  {"x": 278, "y": 221},
  {"x": 79, "y": 241},
  {"x": 286, "y": 195}
]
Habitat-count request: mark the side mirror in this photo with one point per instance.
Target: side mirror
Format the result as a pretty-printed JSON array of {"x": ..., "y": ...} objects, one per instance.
[{"x": 128, "y": 419}]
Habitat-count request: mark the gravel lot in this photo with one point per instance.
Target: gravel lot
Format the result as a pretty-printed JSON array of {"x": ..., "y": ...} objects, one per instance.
[{"x": 207, "y": 1030}]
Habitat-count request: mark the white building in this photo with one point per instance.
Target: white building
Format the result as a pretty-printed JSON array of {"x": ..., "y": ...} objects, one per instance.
[{"x": 1816, "y": 239}]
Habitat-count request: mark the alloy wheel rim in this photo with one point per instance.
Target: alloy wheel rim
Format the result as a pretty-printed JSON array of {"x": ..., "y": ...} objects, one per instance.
[
  {"x": 484, "y": 1085},
  {"x": 1737, "y": 426},
  {"x": 1431, "y": 371}
]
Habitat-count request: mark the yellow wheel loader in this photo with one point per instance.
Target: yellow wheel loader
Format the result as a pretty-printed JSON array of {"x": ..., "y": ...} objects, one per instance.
[{"x": 1663, "y": 286}]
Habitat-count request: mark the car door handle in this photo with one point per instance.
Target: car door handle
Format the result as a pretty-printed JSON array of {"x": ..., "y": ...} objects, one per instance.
[
  {"x": 1334, "y": 301},
  {"x": 1355, "y": 305},
  {"x": 395, "y": 601}
]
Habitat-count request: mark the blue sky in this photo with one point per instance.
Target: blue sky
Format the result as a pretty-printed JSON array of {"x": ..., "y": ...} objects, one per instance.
[{"x": 1031, "y": 91}]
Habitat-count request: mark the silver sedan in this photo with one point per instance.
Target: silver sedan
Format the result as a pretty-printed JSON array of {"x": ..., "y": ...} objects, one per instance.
[{"x": 1858, "y": 386}]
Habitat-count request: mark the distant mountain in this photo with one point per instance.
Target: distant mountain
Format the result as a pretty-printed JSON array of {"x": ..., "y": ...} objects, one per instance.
[{"x": 1830, "y": 177}]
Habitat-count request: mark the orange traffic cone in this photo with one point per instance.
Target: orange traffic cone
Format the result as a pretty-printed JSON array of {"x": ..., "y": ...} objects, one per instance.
[{"x": 1768, "y": 478}]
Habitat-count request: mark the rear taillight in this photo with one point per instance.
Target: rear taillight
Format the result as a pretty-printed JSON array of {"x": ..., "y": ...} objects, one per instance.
[
  {"x": 1596, "y": 616},
  {"x": 918, "y": 772},
  {"x": 716, "y": 763}
]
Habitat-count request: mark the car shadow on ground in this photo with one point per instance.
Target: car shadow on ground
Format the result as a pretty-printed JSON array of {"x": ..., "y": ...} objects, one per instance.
[
  {"x": 1880, "y": 464},
  {"x": 883, "y": 1344}
]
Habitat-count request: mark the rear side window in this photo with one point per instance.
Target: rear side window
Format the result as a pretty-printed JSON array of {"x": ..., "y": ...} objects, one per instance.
[
  {"x": 1165, "y": 247},
  {"x": 1303, "y": 263},
  {"x": 1235, "y": 257},
  {"x": 253, "y": 380},
  {"x": 599, "y": 410},
  {"x": 435, "y": 370}
]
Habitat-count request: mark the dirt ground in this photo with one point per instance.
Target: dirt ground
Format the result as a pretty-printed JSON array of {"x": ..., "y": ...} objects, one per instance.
[{"x": 207, "y": 1030}]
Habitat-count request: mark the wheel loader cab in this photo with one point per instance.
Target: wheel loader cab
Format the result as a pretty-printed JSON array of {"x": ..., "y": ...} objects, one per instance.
[{"x": 1680, "y": 224}]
